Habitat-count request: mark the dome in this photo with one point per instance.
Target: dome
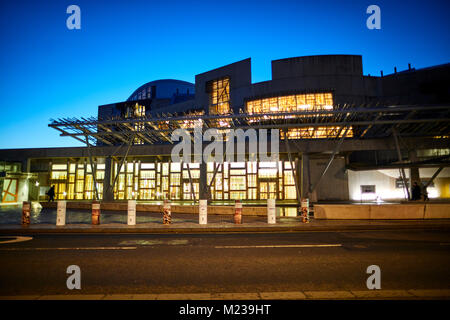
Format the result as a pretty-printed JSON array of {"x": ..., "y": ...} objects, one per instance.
[{"x": 162, "y": 89}]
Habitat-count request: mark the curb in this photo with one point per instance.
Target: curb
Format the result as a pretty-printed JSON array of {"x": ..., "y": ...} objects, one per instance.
[{"x": 236, "y": 229}]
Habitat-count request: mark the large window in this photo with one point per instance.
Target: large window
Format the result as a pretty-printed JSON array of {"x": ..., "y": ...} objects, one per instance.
[
  {"x": 291, "y": 103},
  {"x": 74, "y": 181},
  {"x": 321, "y": 132},
  {"x": 156, "y": 180},
  {"x": 251, "y": 181},
  {"x": 136, "y": 111},
  {"x": 219, "y": 96},
  {"x": 298, "y": 103}
]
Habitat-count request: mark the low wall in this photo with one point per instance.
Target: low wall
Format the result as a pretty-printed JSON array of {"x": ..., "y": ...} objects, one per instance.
[
  {"x": 143, "y": 207},
  {"x": 382, "y": 212}
]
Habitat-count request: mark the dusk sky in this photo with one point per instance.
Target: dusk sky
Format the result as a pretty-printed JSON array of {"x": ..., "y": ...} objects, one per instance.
[{"x": 49, "y": 71}]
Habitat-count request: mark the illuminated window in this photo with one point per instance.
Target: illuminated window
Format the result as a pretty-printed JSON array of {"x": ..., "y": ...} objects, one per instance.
[
  {"x": 291, "y": 103},
  {"x": 191, "y": 123},
  {"x": 75, "y": 181},
  {"x": 321, "y": 132},
  {"x": 219, "y": 96},
  {"x": 137, "y": 111}
]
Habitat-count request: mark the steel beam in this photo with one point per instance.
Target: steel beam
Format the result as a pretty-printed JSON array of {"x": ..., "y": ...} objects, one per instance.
[{"x": 399, "y": 154}]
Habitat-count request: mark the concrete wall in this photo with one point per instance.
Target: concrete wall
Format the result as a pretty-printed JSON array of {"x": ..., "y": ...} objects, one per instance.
[
  {"x": 385, "y": 184},
  {"x": 240, "y": 75},
  {"x": 317, "y": 65},
  {"x": 427, "y": 85},
  {"x": 382, "y": 212},
  {"x": 334, "y": 184},
  {"x": 340, "y": 74}
]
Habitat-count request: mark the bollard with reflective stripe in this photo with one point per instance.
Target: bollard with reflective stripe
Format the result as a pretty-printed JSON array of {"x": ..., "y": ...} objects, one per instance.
[
  {"x": 304, "y": 210},
  {"x": 203, "y": 212},
  {"x": 95, "y": 212},
  {"x": 26, "y": 207},
  {"x": 271, "y": 211},
  {"x": 167, "y": 213},
  {"x": 61, "y": 213},
  {"x": 131, "y": 212},
  {"x": 238, "y": 212}
]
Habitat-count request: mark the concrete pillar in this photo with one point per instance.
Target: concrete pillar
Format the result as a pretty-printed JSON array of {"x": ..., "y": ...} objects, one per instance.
[
  {"x": 307, "y": 181},
  {"x": 108, "y": 194},
  {"x": 298, "y": 175},
  {"x": 306, "y": 175},
  {"x": 414, "y": 175},
  {"x": 204, "y": 193}
]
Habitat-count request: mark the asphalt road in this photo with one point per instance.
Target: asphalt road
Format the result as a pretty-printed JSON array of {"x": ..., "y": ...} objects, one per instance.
[{"x": 191, "y": 263}]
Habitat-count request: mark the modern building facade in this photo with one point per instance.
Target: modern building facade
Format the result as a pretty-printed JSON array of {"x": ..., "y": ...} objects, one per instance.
[{"x": 344, "y": 136}]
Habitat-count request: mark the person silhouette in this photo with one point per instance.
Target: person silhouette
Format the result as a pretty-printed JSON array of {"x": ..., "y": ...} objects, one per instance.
[
  {"x": 51, "y": 194},
  {"x": 415, "y": 193}
]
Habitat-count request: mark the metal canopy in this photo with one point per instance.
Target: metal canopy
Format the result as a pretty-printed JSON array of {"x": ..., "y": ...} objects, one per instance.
[{"x": 366, "y": 122}]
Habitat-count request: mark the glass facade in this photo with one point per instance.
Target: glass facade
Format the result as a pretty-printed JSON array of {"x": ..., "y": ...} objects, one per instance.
[
  {"x": 142, "y": 180},
  {"x": 137, "y": 111},
  {"x": 219, "y": 99},
  {"x": 156, "y": 180},
  {"x": 291, "y": 103},
  {"x": 9, "y": 190},
  {"x": 251, "y": 180},
  {"x": 74, "y": 180},
  {"x": 298, "y": 103},
  {"x": 321, "y": 132}
]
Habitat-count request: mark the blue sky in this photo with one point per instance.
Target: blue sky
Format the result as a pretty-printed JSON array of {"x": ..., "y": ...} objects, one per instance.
[{"x": 48, "y": 71}]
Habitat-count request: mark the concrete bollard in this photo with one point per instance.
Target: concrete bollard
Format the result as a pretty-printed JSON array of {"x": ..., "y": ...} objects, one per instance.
[
  {"x": 271, "y": 211},
  {"x": 61, "y": 213},
  {"x": 26, "y": 207},
  {"x": 95, "y": 212},
  {"x": 304, "y": 210},
  {"x": 203, "y": 212},
  {"x": 167, "y": 213},
  {"x": 238, "y": 212},
  {"x": 131, "y": 221}
]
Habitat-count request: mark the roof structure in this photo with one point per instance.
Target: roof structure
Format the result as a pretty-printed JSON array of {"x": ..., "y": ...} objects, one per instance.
[{"x": 365, "y": 122}]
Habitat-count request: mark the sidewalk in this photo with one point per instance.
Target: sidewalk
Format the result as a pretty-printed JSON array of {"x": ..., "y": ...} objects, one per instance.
[{"x": 188, "y": 223}]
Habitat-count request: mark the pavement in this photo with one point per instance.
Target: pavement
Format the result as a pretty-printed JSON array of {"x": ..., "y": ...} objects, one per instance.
[{"x": 187, "y": 223}]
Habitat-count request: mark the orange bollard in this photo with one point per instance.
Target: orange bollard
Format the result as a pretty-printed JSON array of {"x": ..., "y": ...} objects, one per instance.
[
  {"x": 167, "y": 214},
  {"x": 305, "y": 210},
  {"x": 238, "y": 212},
  {"x": 95, "y": 212},
  {"x": 26, "y": 206}
]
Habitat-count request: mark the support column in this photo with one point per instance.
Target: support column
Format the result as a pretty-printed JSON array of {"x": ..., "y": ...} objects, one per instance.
[
  {"x": 298, "y": 174},
  {"x": 306, "y": 175},
  {"x": 204, "y": 193},
  {"x": 400, "y": 159},
  {"x": 108, "y": 194},
  {"x": 414, "y": 175}
]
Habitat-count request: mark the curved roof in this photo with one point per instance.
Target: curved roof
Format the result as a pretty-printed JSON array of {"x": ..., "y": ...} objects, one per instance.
[{"x": 168, "y": 83}]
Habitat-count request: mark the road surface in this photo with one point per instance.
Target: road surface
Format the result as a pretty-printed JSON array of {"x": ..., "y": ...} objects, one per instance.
[{"x": 220, "y": 263}]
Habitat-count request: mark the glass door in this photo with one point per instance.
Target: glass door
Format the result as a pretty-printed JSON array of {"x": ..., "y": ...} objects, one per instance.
[{"x": 267, "y": 189}]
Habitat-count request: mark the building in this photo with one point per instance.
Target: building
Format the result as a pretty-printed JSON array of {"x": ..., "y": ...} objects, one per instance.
[{"x": 344, "y": 136}]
